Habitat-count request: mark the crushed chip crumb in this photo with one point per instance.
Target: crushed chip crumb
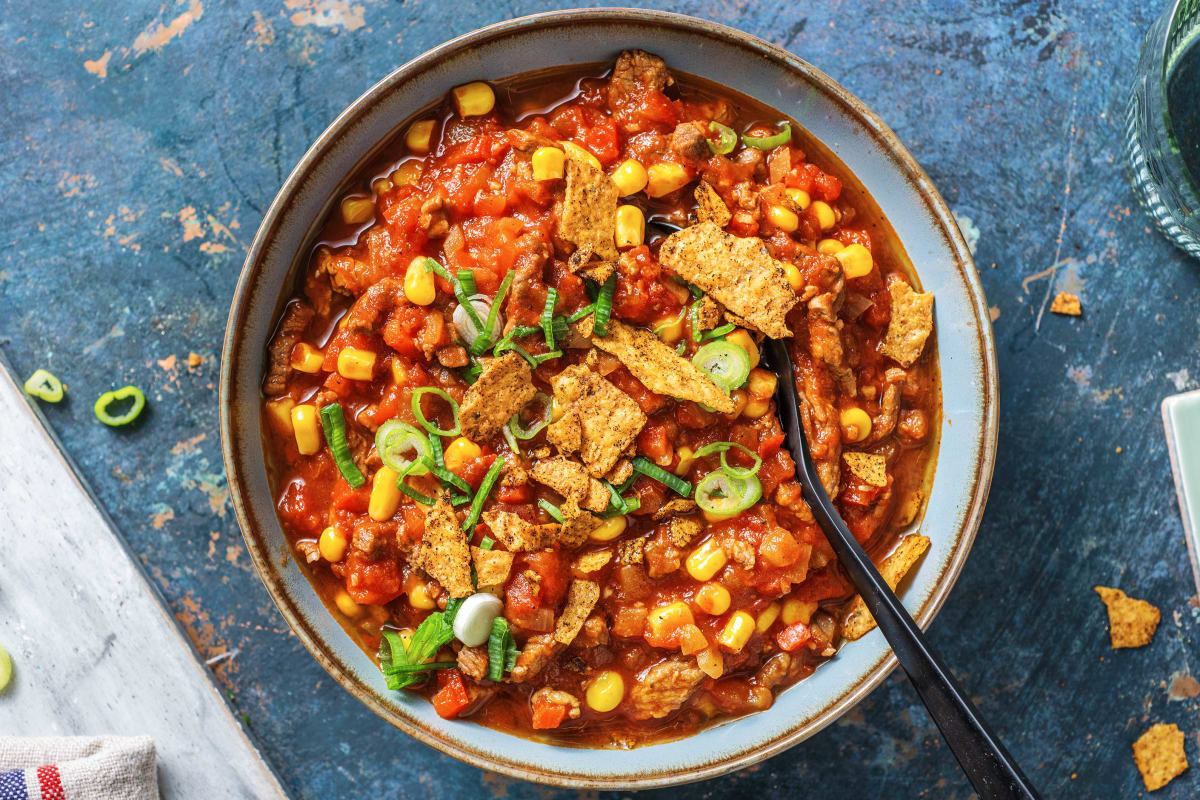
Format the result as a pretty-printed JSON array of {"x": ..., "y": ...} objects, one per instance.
[
  {"x": 517, "y": 533},
  {"x": 631, "y": 551},
  {"x": 590, "y": 562},
  {"x": 444, "y": 552},
  {"x": 910, "y": 325},
  {"x": 492, "y": 567},
  {"x": 1066, "y": 303},
  {"x": 581, "y": 599},
  {"x": 710, "y": 207},
  {"x": 870, "y": 468},
  {"x": 857, "y": 621},
  {"x": 1131, "y": 622},
  {"x": 1159, "y": 755}
]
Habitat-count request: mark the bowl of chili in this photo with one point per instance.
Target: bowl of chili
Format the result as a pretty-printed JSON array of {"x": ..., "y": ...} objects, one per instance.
[{"x": 830, "y": 138}]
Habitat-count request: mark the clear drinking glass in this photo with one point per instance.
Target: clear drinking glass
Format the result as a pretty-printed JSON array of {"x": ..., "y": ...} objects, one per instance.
[{"x": 1162, "y": 125}]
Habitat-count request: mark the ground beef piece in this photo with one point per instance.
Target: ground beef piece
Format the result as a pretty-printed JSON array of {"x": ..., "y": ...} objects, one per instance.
[
  {"x": 661, "y": 555},
  {"x": 664, "y": 687},
  {"x": 594, "y": 633},
  {"x": 556, "y": 697},
  {"x": 279, "y": 355},
  {"x": 370, "y": 537},
  {"x": 534, "y": 657},
  {"x": 634, "y": 72},
  {"x": 473, "y": 661},
  {"x": 688, "y": 141},
  {"x": 308, "y": 548}
]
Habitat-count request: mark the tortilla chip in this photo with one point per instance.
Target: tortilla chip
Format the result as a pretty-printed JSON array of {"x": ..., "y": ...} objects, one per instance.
[
  {"x": 737, "y": 272},
  {"x": 566, "y": 433},
  {"x": 710, "y": 207},
  {"x": 621, "y": 472},
  {"x": 857, "y": 622},
  {"x": 1066, "y": 303},
  {"x": 492, "y": 567},
  {"x": 503, "y": 389},
  {"x": 1131, "y": 623},
  {"x": 658, "y": 366},
  {"x": 516, "y": 533},
  {"x": 673, "y": 508},
  {"x": 609, "y": 419},
  {"x": 581, "y": 599},
  {"x": 682, "y": 531},
  {"x": 911, "y": 324},
  {"x": 1159, "y": 756},
  {"x": 589, "y": 209},
  {"x": 571, "y": 480},
  {"x": 590, "y": 562},
  {"x": 631, "y": 551},
  {"x": 577, "y": 524},
  {"x": 581, "y": 263},
  {"x": 870, "y": 468},
  {"x": 708, "y": 315},
  {"x": 444, "y": 552}
]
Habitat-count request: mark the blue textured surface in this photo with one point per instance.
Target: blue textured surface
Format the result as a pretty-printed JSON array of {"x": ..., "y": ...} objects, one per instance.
[{"x": 140, "y": 145}]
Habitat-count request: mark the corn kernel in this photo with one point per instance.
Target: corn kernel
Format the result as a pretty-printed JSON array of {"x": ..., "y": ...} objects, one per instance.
[
  {"x": 357, "y": 210},
  {"x": 578, "y": 153},
  {"x": 736, "y": 632},
  {"x": 670, "y": 329},
  {"x": 307, "y": 429},
  {"x": 381, "y": 185},
  {"x": 794, "y": 278},
  {"x": 385, "y": 496},
  {"x": 631, "y": 226},
  {"x": 783, "y": 218},
  {"x": 856, "y": 424},
  {"x": 824, "y": 215},
  {"x": 762, "y": 383},
  {"x": 856, "y": 260},
  {"x": 608, "y": 530},
  {"x": 356, "y": 364},
  {"x": 686, "y": 457},
  {"x": 279, "y": 414},
  {"x": 406, "y": 173},
  {"x": 630, "y": 177},
  {"x": 799, "y": 197},
  {"x": 345, "y": 604},
  {"x": 740, "y": 398},
  {"x": 473, "y": 99},
  {"x": 766, "y": 618},
  {"x": 606, "y": 691},
  {"x": 712, "y": 664},
  {"x": 419, "y": 137},
  {"x": 756, "y": 407},
  {"x": 713, "y": 598},
  {"x": 796, "y": 610},
  {"x": 664, "y": 619},
  {"x": 419, "y": 287},
  {"x": 332, "y": 545},
  {"x": 307, "y": 358},
  {"x": 548, "y": 163},
  {"x": 706, "y": 560},
  {"x": 664, "y": 178},
  {"x": 419, "y": 597},
  {"x": 829, "y": 246},
  {"x": 742, "y": 338},
  {"x": 459, "y": 452}
]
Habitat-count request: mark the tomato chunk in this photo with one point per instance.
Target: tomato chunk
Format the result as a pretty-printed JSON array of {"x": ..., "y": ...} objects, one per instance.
[{"x": 451, "y": 697}]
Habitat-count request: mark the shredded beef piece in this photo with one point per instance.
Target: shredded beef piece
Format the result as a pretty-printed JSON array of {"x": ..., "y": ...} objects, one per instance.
[
  {"x": 473, "y": 661},
  {"x": 279, "y": 355},
  {"x": 534, "y": 656},
  {"x": 661, "y": 554},
  {"x": 664, "y": 687},
  {"x": 368, "y": 311},
  {"x": 689, "y": 141}
]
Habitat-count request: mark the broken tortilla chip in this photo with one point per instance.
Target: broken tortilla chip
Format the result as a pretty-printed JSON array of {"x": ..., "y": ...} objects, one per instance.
[
  {"x": 516, "y": 533},
  {"x": 857, "y": 622},
  {"x": 571, "y": 480},
  {"x": 1159, "y": 756},
  {"x": 631, "y": 551},
  {"x": 577, "y": 524},
  {"x": 737, "y": 272},
  {"x": 674, "y": 507},
  {"x": 444, "y": 552},
  {"x": 589, "y": 209},
  {"x": 492, "y": 567},
  {"x": 503, "y": 389},
  {"x": 1131, "y": 622},
  {"x": 870, "y": 468},
  {"x": 710, "y": 207},
  {"x": 590, "y": 562},
  {"x": 911, "y": 323},
  {"x": 581, "y": 598},
  {"x": 1066, "y": 303},
  {"x": 658, "y": 366},
  {"x": 609, "y": 419}
]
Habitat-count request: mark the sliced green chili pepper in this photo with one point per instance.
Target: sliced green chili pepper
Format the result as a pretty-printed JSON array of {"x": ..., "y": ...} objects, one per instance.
[
  {"x": 726, "y": 138},
  {"x": 334, "y": 423},
  {"x": 769, "y": 142},
  {"x": 44, "y": 386},
  {"x": 108, "y": 399}
]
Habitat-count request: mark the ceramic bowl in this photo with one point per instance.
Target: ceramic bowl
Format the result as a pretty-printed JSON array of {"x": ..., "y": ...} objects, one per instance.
[{"x": 865, "y": 146}]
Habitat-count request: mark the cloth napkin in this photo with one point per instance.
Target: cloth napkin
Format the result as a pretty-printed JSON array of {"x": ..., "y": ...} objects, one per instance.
[{"x": 77, "y": 768}]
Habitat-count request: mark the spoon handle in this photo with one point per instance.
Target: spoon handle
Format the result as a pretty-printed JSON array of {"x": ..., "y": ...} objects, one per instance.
[{"x": 989, "y": 767}]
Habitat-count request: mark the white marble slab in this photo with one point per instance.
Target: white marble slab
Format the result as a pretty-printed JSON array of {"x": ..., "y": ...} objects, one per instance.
[{"x": 93, "y": 650}]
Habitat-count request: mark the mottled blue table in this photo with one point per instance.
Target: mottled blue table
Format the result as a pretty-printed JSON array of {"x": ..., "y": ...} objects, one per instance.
[{"x": 142, "y": 141}]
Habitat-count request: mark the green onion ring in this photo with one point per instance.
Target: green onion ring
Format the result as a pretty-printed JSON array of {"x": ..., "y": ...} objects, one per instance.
[
  {"x": 429, "y": 426},
  {"x": 124, "y": 393},
  {"x": 721, "y": 494},
  {"x": 726, "y": 138},
  {"x": 726, "y": 363},
  {"x": 44, "y": 385},
  {"x": 769, "y": 142},
  {"x": 722, "y": 448},
  {"x": 395, "y": 437},
  {"x": 521, "y": 432},
  {"x": 423, "y": 499}
]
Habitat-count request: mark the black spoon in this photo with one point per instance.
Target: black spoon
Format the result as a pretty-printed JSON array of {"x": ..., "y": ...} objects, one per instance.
[{"x": 989, "y": 767}]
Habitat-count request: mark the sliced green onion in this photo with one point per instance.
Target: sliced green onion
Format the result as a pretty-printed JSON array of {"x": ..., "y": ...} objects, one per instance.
[
  {"x": 616, "y": 503},
  {"x": 429, "y": 426},
  {"x": 483, "y": 333},
  {"x": 719, "y": 331},
  {"x": 401, "y": 663},
  {"x": 466, "y": 279},
  {"x": 552, "y": 510},
  {"x": 499, "y": 644},
  {"x": 632, "y": 504},
  {"x": 446, "y": 476},
  {"x": 334, "y": 423},
  {"x": 452, "y": 607},
  {"x": 654, "y": 471},
  {"x": 510, "y": 439},
  {"x": 423, "y": 499},
  {"x": 769, "y": 142},
  {"x": 720, "y": 493},
  {"x": 471, "y": 372},
  {"x": 457, "y": 499},
  {"x": 681, "y": 347},
  {"x": 548, "y": 317},
  {"x": 726, "y": 138},
  {"x": 485, "y": 488},
  {"x": 395, "y": 438},
  {"x": 522, "y": 330},
  {"x": 520, "y": 431},
  {"x": 581, "y": 313},
  {"x": 105, "y": 401},
  {"x": 604, "y": 304},
  {"x": 697, "y": 292},
  {"x": 484, "y": 342},
  {"x": 542, "y": 358},
  {"x": 560, "y": 327},
  {"x": 722, "y": 448},
  {"x": 433, "y": 266},
  {"x": 487, "y": 543},
  {"x": 508, "y": 344},
  {"x": 44, "y": 385},
  {"x": 435, "y": 449},
  {"x": 725, "y": 362},
  {"x": 694, "y": 314}
]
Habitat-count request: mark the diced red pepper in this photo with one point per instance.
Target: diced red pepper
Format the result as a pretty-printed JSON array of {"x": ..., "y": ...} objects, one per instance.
[
  {"x": 547, "y": 714},
  {"x": 451, "y": 697},
  {"x": 793, "y": 637}
]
